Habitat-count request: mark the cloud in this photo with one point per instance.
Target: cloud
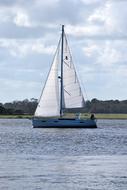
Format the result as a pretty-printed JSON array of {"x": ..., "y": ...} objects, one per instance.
[
  {"x": 91, "y": 2},
  {"x": 23, "y": 47},
  {"x": 30, "y": 31},
  {"x": 102, "y": 15},
  {"x": 98, "y": 21},
  {"x": 81, "y": 30},
  {"x": 108, "y": 19},
  {"x": 104, "y": 23},
  {"x": 107, "y": 53},
  {"x": 22, "y": 19}
]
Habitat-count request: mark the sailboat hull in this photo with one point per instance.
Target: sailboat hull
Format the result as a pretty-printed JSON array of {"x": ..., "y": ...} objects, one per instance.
[{"x": 63, "y": 123}]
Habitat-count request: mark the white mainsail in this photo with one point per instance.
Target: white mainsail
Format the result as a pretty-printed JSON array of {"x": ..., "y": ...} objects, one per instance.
[
  {"x": 49, "y": 100},
  {"x": 73, "y": 97},
  {"x": 49, "y": 103}
]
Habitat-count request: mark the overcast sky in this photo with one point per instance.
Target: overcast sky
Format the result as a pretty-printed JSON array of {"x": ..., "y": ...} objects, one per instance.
[{"x": 97, "y": 35}]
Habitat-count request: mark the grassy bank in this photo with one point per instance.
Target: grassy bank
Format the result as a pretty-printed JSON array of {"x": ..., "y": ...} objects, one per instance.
[
  {"x": 101, "y": 116},
  {"x": 15, "y": 116},
  {"x": 70, "y": 115},
  {"x": 111, "y": 116}
]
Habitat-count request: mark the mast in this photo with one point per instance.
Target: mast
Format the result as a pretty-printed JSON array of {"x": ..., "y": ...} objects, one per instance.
[{"x": 61, "y": 81}]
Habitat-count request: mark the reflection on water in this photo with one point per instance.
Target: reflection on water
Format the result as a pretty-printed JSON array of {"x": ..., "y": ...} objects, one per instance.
[{"x": 62, "y": 159}]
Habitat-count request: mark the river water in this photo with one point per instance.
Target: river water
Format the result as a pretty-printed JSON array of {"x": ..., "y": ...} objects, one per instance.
[{"x": 63, "y": 159}]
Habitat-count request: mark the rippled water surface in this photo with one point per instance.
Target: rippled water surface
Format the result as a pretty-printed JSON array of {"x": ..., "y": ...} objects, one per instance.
[{"x": 59, "y": 159}]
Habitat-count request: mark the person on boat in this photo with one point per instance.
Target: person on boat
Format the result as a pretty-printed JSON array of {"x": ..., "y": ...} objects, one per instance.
[
  {"x": 78, "y": 115},
  {"x": 92, "y": 117}
]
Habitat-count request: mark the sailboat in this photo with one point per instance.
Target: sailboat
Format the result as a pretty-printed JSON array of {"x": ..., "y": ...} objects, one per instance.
[{"x": 61, "y": 91}]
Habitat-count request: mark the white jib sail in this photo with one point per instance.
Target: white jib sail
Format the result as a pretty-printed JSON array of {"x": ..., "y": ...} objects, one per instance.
[
  {"x": 73, "y": 96},
  {"x": 49, "y": 100}
]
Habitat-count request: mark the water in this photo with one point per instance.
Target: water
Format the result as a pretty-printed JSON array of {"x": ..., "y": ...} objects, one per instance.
[{"x": 60, "y": 159}]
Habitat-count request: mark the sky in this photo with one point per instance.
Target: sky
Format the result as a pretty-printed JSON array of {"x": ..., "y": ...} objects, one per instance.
[{"x": 97, "y": 35}]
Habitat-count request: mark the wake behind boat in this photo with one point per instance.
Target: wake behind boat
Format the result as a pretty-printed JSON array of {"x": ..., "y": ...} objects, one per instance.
[{"x": 61, "y": 91}]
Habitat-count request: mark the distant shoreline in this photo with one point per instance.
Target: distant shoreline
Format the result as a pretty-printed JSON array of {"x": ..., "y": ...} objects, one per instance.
[{"x": 70, "y": 115}]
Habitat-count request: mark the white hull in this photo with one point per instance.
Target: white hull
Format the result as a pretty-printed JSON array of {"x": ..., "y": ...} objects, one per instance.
[{"x": 63, "y": 123}]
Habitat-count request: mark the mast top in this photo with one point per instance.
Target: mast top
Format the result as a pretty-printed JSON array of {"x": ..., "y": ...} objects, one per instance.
[{"x": 62, "y": 28}]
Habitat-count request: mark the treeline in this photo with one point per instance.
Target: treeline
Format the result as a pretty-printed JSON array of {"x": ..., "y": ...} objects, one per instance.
[
  {"x": 19, "y": 107},
  {"x": 95, "y": 106},
  {"x": 108, "y": 106}
]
